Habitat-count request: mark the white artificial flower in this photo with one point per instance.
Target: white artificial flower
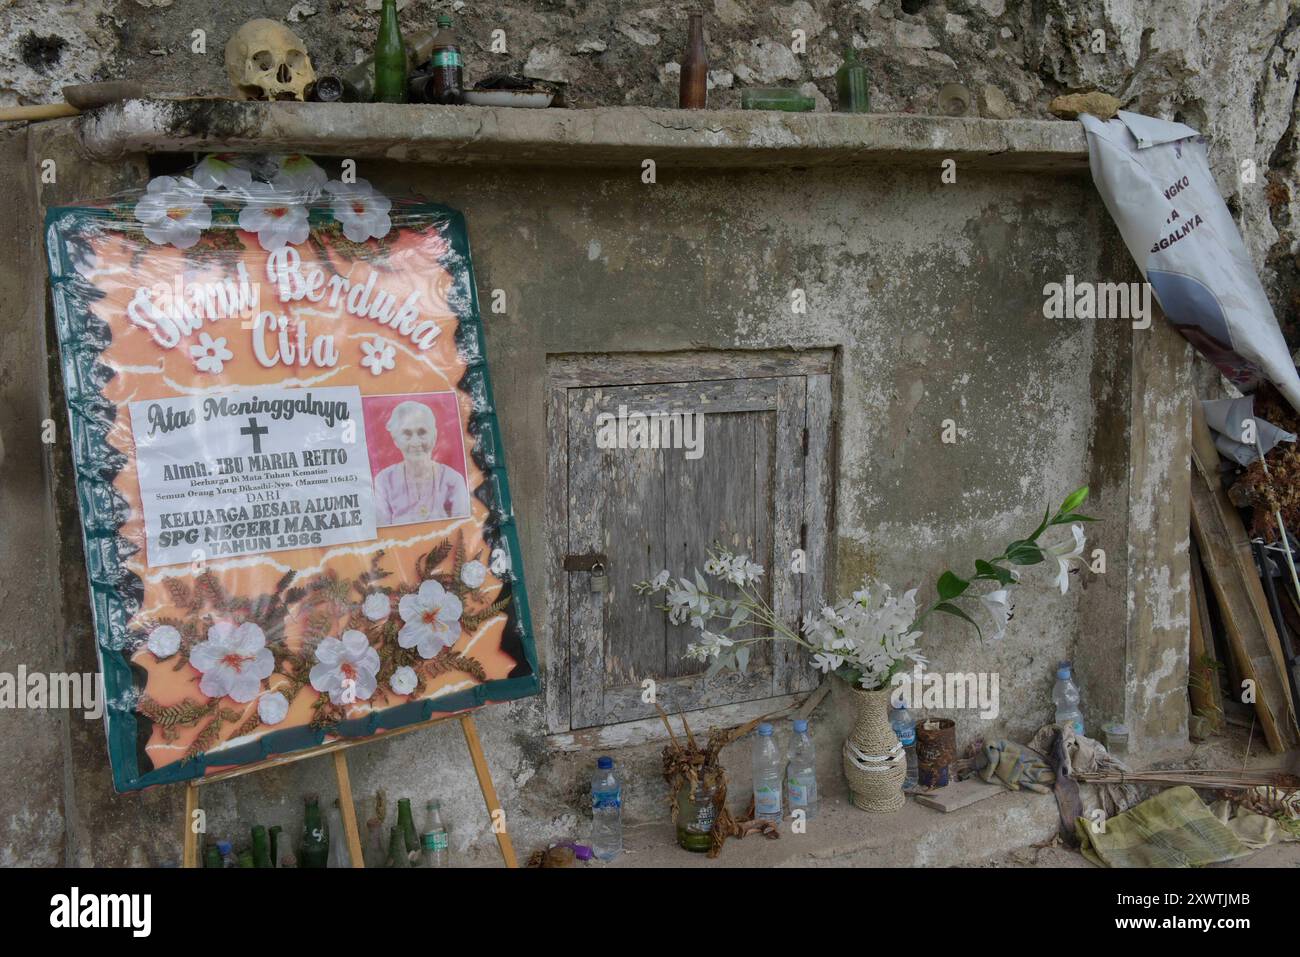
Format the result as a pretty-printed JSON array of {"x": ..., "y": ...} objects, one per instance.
[
  {"x": 473, "y": 574},
  {"x": 379, "y": 354},
  {"x": 661, "y": 580},
  {"x": 1065, "y": 556},
  {"x": 403, "y": 680},
  {"x": 272, "y": 707},
  {"x": 172, "y": 211},
  {"x": 219, "y": 171},
  {"x": 432, "y": 617},
  {"x": 377, "y": 606},
  {"x": 709, "y": 646},
  {"x": 233, "y": 661},
  {"x": 275, "y": 217},
  {"x": 998, "y": 603},
  {"x": 345, "y": 668},
  {"x": 298, "y": 175},
  {"x": 164, "y": 641},
  {"x": 361, "y": 209},
  {"x": 211, "y": 355}
]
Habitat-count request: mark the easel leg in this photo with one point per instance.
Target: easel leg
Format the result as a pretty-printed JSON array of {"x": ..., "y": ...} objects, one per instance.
[
  {"x": 190, "y": 856},
  {"x": 495, "y": 814},
  {"x": 348, "y": 809}
]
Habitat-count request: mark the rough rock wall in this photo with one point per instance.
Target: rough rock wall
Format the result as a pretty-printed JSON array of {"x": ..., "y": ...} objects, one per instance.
[{"x": 1227, "y": 67}]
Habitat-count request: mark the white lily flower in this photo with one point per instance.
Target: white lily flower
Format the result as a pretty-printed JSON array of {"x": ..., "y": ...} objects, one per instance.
[
  {"x": 1065, "y": 555},
  {"x": 998, "y": 604}
]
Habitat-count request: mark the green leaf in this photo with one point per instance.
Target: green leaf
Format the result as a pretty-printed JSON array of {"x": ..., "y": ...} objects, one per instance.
[
  {"x": 1072, "y": 517},
  {"x": 950, "y": 586},
  {"x": 1024, "y": 553},
  {"x": 1074, "y": 500},
  {"x": 950, "y": 609},
  {"x": 1002, "y": 575}
]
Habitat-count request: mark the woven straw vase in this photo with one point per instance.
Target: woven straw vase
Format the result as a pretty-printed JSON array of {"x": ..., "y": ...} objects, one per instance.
[{"x": 874, "y": 761}]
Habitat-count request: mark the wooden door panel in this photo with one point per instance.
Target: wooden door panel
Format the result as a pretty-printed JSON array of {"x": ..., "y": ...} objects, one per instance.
[{"x": 648, "y": 509}]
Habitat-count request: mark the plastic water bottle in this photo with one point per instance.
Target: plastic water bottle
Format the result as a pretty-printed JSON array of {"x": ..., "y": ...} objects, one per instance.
[
  {"x": 1066, "y": 695},
  {"x": 433, "y": 842},
  {"x": 801, "y": 773},
  {"x": 606, "y": 810},
  {"x": 767, "y": 775},
  {"x": 904, "y": 725}
]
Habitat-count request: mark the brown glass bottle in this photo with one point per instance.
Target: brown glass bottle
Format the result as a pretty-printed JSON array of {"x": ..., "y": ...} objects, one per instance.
[
  {"x": 446, "y": 83},
  {"x": 694, "y": 90}
]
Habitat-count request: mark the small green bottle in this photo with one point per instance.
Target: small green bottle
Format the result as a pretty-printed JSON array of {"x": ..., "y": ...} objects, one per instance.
[
  {"x": 246, "y": 858},
  {"x": 390, "y": 58},
  {"x": 406, "y": 824},
  {"x": 212, "y": 857},
  {"x": 261, "y": 847},
  {"x": 274, "y": 834},
  {"x": 397, "y": 849},
  {"x": 852, "y": 93},
  {"x": 315, "y": 851}
]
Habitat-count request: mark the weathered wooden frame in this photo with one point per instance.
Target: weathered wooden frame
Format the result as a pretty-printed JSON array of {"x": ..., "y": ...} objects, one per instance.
[{"x": 570, "y": 371}]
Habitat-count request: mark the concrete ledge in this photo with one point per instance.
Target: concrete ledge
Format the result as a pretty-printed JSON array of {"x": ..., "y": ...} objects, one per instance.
[
  {"x": 614, "y": 136},
  {"x": 844, "y": 836}
]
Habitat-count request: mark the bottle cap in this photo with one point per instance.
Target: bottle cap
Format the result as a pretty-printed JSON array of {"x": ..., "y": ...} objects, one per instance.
[
  {"x": 800, "y": 726},
  {"x": 582, "y": 852},
  {"x": 1064, "y": 670},
  {"x": 765, "y": 729},
  {"x": 605, "y": 763},
  {"x": 223, "y": 847},
  {"x": 444, "y": 20},
  {"x": 434, "y": 805}
]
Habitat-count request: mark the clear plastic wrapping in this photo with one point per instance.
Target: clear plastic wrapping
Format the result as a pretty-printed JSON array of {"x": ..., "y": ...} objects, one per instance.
[{"x": 295, "y": 509}]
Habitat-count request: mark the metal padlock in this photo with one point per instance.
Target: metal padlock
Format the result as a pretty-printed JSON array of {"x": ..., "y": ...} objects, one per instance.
[{"x": 599, "y": 580}]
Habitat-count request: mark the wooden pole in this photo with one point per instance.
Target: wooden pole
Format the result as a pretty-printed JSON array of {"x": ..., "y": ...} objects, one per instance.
[
  {"x": 190, "y": 857},
  {"x": 348, "y": 809},
  {"x": 495, "y": 814}
]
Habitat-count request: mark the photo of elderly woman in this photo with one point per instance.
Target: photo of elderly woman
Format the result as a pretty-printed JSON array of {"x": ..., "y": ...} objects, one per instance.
[{"x": 419, "y": 467}]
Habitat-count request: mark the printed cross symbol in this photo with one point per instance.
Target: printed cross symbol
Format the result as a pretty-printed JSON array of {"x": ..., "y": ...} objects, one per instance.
[{"x": 256, "y": 431}]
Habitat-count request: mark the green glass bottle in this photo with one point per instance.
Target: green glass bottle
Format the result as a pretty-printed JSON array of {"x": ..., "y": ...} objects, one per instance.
[
  {"x": 315, "y": 851},
  {"x": 246, "y": 858},
  {"x": 212, "y": 857},
  {"x": 406, "y": 824},
  {"x": 397, "y": 849},
  {"x": 390, "y": 58},
  {"x": 852, "y": 85},
  {"x": 275, "y": 844},
  {"x": 261, "y": 847}
]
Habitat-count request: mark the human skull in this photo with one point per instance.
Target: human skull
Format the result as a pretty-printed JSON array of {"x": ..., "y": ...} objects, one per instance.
[{"x": 266, "y": 61}]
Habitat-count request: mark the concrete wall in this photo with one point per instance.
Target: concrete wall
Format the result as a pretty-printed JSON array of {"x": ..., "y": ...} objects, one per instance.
[
  {"x": 932, "y": 292},
  {"x": 933, "y": 295}
]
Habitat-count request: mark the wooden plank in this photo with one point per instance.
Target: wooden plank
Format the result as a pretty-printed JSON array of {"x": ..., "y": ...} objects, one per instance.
[
  {"x": 496, "y": 815},
  {"x": 956, "y": 796},
  {"x": 1242, "y": 628},
  {"x": 1203, "y": 681},
  {"x": 790, "y": 665},
  {"x": 190, "y": 854},
  {"x": 348, "y": 809},
  {"x": 607, "y": 369},
  {"x": 713, "y": 500},
  {"x": 710, "y": 396},
  {"x": 555, "y": 646},
  {"x": 819, "y": 500},
  {"x": 585, "y": 511},
  {"x": 1226, "y": 552},
  {"x": 632, "y": 515}
]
